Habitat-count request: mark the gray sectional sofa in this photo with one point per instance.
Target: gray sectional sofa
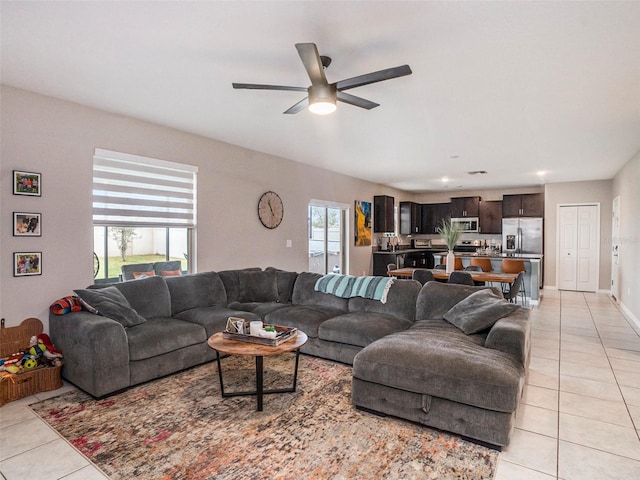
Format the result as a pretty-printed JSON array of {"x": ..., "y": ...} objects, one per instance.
[{"x": 408, "y": 361}]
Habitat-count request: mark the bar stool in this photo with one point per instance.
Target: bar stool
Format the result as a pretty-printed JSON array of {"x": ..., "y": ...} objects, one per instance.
[
  {"x": 512, "y": 265},
  {"x": 484, "y": 263}
]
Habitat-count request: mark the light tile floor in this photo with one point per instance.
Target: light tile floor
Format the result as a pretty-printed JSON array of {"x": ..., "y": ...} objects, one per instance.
[
  {"x": 580, "y": 413},
  {"x": 579, "y": 417}
]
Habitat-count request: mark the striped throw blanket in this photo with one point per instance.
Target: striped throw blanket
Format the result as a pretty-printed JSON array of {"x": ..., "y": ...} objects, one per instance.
[{"x": 347, "y": 286}]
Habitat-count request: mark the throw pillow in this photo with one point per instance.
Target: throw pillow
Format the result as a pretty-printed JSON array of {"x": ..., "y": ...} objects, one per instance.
[
  {"x": 170, "y": 273},
  {"x": 479, "y": 311},
  {"x": 137, "y": 275},
  {"x": 110, "y": 302},
  {"x": 258, "y": 286}
]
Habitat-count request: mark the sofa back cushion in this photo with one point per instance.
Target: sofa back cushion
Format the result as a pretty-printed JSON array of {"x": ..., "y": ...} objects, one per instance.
[
  {"x": 257, "y": 286},
  {"x": 304, "y": 293},
  {"x": 231, "y": 282},
  {"x": 148, "y": 296},
  {"x": 194, "y": 291},
  {"x": 285, "y": 281},
  {"x": 436, "y": 298},
  {"x": 401, "y": 301}
]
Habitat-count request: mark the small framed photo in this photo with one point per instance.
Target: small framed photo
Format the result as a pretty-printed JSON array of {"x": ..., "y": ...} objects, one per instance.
[
  {"x": 27, "y": 224},
  {"x": 27, "y": 183},
  {"x": 27, "y": 263}
]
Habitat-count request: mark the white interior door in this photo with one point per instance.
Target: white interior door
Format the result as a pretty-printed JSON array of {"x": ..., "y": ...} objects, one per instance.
[
  {"x": 615, "y": 248},
  {"x": 578, "y": 228},
  {"x": 568, "y": 247}
]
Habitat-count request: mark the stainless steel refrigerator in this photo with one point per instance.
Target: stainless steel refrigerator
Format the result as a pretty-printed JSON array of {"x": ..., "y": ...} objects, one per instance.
[{"x": 522, "y": 235}]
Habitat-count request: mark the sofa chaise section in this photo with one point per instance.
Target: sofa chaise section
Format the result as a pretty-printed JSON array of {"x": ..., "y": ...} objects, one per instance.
[{"x": 435, "y": 374}]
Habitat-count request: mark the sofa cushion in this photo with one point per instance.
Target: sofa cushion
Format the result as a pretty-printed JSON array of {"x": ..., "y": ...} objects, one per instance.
[
  {"x": 257, "y": 286},
  {"x": 110, "y": 302},
  {"x": 197, "y": 290},
  {"x": 231, "y": 282},
  {"x": 304, "y": 294},
  {"x": 148, "y": 296},
  {"x": 214, "y": 319},
  {"x": 162, "y": 335},
  {"x": 285, "y": 282},
  {"x": 305, "y": 318},
  {"x": 261, "y": 309},
  {"x": 360, "y": 328},
  {"x": 401, "y": 301},
  {"x": 436, "y": 298},
  {"x": 479, "y": 311}
]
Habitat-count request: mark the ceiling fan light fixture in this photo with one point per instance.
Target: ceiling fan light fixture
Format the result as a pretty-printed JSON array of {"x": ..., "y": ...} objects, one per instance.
[
  {"x": 322, "y": 107},
  {"x": 322, "y": 99}
]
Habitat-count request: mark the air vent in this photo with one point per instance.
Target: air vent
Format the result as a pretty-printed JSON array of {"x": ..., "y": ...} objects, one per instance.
[{"x": 477, "y": 172}]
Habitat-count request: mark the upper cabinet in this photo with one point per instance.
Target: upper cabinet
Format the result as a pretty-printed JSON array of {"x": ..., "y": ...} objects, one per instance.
[
  {"x": 524, "y": 205},
  {"x": 410, "y": 218},
  {"x": 490, "y": 214},
  {"x": 433, "y": 214},
  {"x": 465, "y": 207},
  {"x": 383, "y": 214}
]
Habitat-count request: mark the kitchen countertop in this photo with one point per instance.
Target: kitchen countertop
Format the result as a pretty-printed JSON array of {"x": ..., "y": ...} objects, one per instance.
[{"x": 524, "y": 256}]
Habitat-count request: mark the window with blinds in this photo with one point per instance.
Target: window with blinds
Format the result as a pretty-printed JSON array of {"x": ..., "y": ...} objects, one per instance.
[
  {"x": 144, "y": 212},
  {"x": 130, "y": 190}
]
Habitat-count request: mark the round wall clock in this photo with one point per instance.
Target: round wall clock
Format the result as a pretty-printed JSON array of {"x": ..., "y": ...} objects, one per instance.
[{"x": 270, "y": 209}]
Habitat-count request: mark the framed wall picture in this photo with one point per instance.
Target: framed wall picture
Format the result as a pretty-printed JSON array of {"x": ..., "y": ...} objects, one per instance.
[
  {"x": 27, "y": 224},
  {"x": 363, "y": 224},
  {"x": 27, "y": 264},
  {"x": 27, "y": 183}
]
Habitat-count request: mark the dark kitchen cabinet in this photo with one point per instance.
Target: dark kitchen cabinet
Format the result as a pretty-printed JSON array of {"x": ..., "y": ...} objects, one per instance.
[
  {"x": 433, "y": 214},
  {"x": 465, "y": 207},
  {"x": 490, "y": 215},
  {"x": 410, "y": 218},
  {"x": 524, "y": 205},
  {"x": 383, "y": 214}
]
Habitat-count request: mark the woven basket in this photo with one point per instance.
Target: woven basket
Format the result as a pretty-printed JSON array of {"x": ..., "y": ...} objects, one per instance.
[{"x": 13, "y": 387}]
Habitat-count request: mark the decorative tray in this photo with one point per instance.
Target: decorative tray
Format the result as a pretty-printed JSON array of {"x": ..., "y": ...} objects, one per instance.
[{"x": 283, "y": 334}]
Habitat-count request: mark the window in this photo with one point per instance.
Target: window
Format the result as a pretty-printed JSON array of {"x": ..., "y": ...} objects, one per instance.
[
  {"x": 144, "y": 211},
  {"x": 327, "y": 252}
]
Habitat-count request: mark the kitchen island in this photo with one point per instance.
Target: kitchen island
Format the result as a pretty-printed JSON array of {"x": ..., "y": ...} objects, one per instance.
[{"x": 532, "y": 264}]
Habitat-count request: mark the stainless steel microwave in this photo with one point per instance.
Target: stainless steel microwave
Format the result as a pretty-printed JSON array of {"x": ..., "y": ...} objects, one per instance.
[{"x": 466, "y": 224}]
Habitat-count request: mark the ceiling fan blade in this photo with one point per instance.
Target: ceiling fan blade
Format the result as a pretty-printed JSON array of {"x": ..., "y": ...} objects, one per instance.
[
  {"x": 374, "y": 77},
  {"x": 357, "y": 101},
  {"x": 301, "y": 105},
  {"x": 254, "y": 86},
  {"x": 311, "y": 59}
]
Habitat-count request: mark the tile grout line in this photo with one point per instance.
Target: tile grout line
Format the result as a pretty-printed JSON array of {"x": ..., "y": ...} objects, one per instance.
[{"x": 626, "y": 404}]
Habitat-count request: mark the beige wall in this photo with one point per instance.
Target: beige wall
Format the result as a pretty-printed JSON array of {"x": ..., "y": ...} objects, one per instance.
[
  {"x": 596, "y": 192},
  {"x": 58, "y": 138},
  {"x": 626, "y": 184}
]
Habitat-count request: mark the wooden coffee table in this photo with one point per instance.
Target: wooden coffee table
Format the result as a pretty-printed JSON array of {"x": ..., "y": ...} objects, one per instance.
[{"x": 235, "y": 347}]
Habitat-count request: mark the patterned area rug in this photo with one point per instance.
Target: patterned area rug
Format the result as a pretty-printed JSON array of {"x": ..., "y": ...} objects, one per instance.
[{"x": 180, "y": 427}]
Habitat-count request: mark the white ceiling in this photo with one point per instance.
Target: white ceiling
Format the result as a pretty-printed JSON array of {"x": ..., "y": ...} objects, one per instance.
[{"x": 512, "y": 88}]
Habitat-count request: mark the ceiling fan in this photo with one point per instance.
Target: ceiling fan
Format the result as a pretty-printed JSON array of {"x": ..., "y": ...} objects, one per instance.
[{"x": 322, "y": 95}]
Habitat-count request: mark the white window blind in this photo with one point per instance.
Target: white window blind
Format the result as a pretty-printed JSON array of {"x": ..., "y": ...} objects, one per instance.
[{"x": 129, "y": 190}]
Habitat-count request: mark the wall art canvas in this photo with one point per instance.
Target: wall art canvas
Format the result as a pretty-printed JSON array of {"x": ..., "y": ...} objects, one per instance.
[
  {"x": 27, "y": 264},
  {"x": 27, "y": 224},
  {"x": 27, "y": 183},
  {"x": 363, "y": 224}
]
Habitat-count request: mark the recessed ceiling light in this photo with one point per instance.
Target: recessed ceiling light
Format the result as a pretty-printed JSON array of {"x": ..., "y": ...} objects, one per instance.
[
  {"x": 445, "y": 179},
  {"x": 541, "y": 173},
  {"x": 477, "y": 172}
]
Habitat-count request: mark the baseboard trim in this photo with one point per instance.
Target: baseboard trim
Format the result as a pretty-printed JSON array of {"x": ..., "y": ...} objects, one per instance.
[{"x": 629, "y": 314}]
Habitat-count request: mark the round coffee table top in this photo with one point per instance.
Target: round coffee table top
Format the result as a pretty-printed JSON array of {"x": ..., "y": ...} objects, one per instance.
[{"x": 237, "y": 347}]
